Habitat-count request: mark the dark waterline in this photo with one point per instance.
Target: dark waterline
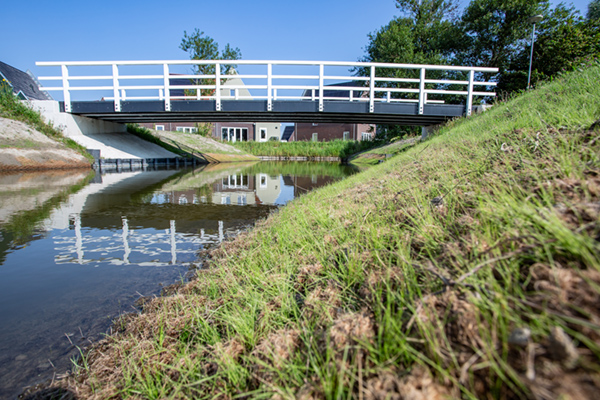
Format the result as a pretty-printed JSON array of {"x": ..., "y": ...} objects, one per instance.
[{"x": 78, "y": 249}]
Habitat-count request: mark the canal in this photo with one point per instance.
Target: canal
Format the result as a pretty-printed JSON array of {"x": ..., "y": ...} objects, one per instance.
[{"x": 79, "y": 248}]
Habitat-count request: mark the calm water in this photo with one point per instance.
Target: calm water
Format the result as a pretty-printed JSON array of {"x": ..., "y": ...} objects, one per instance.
[{"x": 79, "y": 248}]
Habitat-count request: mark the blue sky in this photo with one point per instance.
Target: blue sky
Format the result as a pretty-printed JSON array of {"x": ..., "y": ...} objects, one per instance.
[{"x": 66, "y": 30}]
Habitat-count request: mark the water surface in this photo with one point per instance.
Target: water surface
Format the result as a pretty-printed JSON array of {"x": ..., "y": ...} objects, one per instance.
[{"x": 79, "y": 248}]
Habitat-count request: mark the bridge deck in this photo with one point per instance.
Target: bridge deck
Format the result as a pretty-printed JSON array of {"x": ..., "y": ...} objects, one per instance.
[{"x": 256, "y": 111}]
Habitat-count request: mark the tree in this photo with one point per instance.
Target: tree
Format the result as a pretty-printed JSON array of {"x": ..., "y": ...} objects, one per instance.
[
  {"x": 203, "y": 47},
  {"x": 496, "y": 31},
  {"x": 424, "y": 34},
  {"x": 593, "y": 12},
  {"x": 564, "y": 40}
]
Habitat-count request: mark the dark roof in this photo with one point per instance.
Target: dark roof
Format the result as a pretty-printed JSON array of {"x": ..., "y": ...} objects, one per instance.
[
  {"x": 23, "y": 83},
  {"x": 338, "y": 92},
  {"x": 287, "y": 132}
]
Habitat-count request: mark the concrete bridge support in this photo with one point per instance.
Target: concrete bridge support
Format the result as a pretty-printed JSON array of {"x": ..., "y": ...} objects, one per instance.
[
  {"x": 427, "y": 131},
  {"x": 73, "y": 125},
  {"x": 109, "y": 138}
]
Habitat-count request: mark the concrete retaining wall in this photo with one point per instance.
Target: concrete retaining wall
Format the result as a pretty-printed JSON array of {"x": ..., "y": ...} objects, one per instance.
[
  {"x": 73, "y": 125},
  {"x": 111, "y": 139}
]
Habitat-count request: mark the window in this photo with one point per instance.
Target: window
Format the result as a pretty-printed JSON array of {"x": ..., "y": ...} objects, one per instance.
[
  {"x": 232, "y": 92},
  {"x": 186, "y": 129},
  {"x": 365, "y": 136},
  {"x": 263, "y": 134},
  {"x": 346, "y": 135},
  {"x": 263, "y": 180},
  {"x": 159, "y": 127},
  {"x": 234, "y": 134},
  {"x": 315, "y": 137}
]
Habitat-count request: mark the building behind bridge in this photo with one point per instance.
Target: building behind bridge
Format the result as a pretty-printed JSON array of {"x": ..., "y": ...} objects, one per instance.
[
  {"x": 265, "y": 131},
  {"x": 225, "y": 131}
]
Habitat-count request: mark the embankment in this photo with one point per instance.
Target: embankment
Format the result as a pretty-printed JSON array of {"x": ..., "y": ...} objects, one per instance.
[
  {"x": 467, "y": 266},
  {"x": 194, "y": 145},
  {"x": 22, "y": 147}
]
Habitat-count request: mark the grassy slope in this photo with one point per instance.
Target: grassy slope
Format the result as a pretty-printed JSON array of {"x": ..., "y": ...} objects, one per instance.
[
  {"x": 11, "y": 107},
  {"x": 407, "y": 280},
  {"x": 374, "y": 156},
  {"x": 190, "y": 144}
]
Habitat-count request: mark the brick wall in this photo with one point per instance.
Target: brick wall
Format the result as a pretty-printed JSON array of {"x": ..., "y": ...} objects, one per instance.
[{"x": 327, "y": 132}]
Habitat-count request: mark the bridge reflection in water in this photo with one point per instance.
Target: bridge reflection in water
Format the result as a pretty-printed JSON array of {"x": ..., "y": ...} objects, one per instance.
[{"x": 167, "y": 224}]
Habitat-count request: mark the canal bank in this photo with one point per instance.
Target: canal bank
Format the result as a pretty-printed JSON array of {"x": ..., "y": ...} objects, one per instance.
[{"x": 467, "y": 266}]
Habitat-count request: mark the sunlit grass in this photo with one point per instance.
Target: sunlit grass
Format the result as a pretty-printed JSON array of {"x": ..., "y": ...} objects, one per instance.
[{"x": 335, "y": 148}]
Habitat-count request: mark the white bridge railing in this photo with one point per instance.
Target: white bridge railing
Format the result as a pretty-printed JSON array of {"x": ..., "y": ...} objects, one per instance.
[{"x": 121, "y": 86}]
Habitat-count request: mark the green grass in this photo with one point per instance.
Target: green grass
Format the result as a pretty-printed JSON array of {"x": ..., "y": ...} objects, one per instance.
[
  {"x": 336, "y": 148},
  {"x": 12, "y": 108},
  {"x": 408, "y": 278}
]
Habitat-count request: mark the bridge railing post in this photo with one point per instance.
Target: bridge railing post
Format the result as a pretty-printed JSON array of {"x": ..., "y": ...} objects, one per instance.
[
  {"x": 269, "y": 87},
  {"x": 470, "y": 93},
  {"x": 372, "y": 90},
  {"x": 167, "y": 89},
  {"x": 218, "y": 86},
  {"x": 65, "y": 83},
  {"x": 115, "y": 80},
  {"x": 321, "y": 85},
  {"x": 422, "y": 93}
]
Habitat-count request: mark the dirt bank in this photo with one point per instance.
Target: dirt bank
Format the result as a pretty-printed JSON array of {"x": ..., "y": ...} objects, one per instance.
[{"x": 24, "y": 148}]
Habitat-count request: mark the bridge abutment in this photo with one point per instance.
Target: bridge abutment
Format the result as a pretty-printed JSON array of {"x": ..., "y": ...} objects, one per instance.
[
  {"x": 72, "y": 125},
  {"x": 108, "y": 140}
]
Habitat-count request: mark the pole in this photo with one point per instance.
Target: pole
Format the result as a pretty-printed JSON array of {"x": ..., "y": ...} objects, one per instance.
[{"x": 531, "y": 57}]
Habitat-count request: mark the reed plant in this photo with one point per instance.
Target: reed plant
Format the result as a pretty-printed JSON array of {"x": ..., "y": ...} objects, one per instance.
[{"x": 335, "y": 148}]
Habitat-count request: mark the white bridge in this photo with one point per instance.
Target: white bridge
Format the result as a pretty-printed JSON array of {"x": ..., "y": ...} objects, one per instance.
[{"x": 277, "y": 91}]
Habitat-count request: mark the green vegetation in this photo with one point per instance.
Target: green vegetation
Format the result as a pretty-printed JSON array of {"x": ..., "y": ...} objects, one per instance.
[
  {"x": 485, "y": 33},
  {"x": 335, "y": 148},
  {"x": 379, "y": 154},
  {"x": 467, "y": 266},
  {"x": 12, "y": 108},
  {"x": 202, "y": 47}
]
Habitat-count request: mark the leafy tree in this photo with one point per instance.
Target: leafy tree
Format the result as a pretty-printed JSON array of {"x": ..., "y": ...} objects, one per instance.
[
  {"x": 593, "y": 12},
  {"x": 564, "y": 40},
  {"x": 496, "y": 31},
  {"x": 203, "y": 47},
  {"x": 424, "y": 34}
]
